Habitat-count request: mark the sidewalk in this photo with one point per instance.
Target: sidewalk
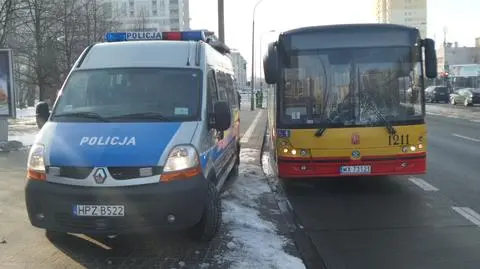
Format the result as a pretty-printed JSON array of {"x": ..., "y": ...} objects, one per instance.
[
  {"x": 256, "y": 234},
  {"x": 253, "y": 235}
]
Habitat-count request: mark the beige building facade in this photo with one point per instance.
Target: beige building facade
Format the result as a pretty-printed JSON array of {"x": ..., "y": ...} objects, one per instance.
[{"x": 405, "y": 12}]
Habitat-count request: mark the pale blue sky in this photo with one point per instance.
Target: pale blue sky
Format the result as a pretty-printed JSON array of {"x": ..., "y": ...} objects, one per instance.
[{"x": 460, "y": 16}]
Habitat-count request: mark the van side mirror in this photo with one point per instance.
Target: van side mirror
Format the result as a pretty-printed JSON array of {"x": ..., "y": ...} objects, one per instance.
[
  {"x": 42, "y": 113},
  {"x": 270, "y": 64},
  {"x": 222, "y": 116},
  {"x": 430, "y": 58}
]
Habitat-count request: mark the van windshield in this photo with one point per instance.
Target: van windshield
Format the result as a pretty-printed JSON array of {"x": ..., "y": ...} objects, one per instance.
[{"x": 131, "y": 94}]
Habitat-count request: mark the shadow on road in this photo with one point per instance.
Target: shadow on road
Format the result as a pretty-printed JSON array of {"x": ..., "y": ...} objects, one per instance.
[
  {"x": 341, "y": 186},
  {"x": 139, "y": 251}
]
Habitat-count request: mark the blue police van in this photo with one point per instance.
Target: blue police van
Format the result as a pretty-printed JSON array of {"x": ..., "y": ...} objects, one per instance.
[{"x": 141, "y": 138}]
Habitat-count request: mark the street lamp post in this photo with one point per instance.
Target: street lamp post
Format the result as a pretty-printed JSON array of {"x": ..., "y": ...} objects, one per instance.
[
  {"x": 260, "y": 50},
  {"x": 221, "y": 21},
  {"x": 252, "y": 80}
]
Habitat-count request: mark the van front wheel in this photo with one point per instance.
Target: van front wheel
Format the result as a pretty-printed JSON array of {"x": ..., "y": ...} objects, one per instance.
[{"x": 209, "y": 224}]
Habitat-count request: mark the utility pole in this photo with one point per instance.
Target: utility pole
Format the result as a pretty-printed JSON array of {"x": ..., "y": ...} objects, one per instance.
[
  {"x": 221, "y": 21},
  {"x": 252, "y": 81}
]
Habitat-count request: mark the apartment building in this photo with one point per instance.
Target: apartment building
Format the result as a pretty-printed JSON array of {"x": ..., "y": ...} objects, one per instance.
[
  {"x": 240, "y": 67},
  {"x": 405, "y": 12},
  {"x": 150, "y": 15}
]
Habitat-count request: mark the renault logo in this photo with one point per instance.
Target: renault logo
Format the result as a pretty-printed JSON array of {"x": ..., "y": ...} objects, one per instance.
[
  {"x": 355, "y": 154},
  {"x": 100, "y": 176}
]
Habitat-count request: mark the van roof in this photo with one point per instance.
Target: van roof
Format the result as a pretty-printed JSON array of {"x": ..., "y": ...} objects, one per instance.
[
  {"x": 152, "y": 49},
  {"x": 141, "y": 54}
]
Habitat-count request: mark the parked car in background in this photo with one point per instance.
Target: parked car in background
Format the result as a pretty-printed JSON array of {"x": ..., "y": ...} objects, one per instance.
[
  {"x": 465, "y": 96},
  {"x": 435, "y": 94}
]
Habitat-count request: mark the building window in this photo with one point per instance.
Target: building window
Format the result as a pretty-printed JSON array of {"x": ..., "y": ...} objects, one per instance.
[
  {"x": 132, "y": 13},
  {"x": 154, "y": 12},
  {"x": 123, "y": 9}
]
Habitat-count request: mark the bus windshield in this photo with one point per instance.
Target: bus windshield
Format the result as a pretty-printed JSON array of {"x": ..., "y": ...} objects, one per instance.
[{"x": 352, "y": 86}]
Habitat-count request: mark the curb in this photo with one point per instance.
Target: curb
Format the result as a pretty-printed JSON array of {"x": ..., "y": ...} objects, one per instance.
[{"x": 306, "y": 249}]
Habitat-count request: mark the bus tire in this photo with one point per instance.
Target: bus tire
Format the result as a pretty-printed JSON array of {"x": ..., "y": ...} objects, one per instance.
[{"x": 210, "y": 222}]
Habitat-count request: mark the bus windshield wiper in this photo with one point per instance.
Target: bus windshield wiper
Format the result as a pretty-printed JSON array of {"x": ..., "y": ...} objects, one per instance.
[
  {"x": 86, "y": 115},
  {"x": 142, "y": 115},
  {"x": 320, "y": 131},
  {"x": 387, "y": 123}
]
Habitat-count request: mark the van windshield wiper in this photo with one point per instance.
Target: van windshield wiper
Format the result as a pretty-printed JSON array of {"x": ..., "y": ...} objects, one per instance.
[
  {"x": 142, "y": 115},
  {"x": 86, "y": 115},
  {"x": 372, "y": 106}
]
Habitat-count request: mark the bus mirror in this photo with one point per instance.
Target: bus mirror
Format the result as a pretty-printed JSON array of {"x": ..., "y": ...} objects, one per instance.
[
  {"x": 270, "y": 64},
  {"x": 430, "y": 58}
]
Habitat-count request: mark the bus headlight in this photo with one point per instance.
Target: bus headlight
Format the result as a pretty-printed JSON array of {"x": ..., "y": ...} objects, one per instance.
[
  {"x": 294, "y": 152},
  {"x": 404, "y": 149},
  {"x": 413, "y": 148},
  {"x": 420, "y": 146}
]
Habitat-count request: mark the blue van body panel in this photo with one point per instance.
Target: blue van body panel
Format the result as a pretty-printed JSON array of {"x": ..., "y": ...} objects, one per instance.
[{"x": 110, "y": 144}]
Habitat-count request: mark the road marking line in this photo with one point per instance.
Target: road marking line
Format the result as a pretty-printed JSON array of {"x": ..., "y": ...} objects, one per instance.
[
  {"x": 250, "y": 129},
  {"x": 469, "y": 214},
  {"x": 467, "y": 138},
  {"x": 422, "y": 184}
]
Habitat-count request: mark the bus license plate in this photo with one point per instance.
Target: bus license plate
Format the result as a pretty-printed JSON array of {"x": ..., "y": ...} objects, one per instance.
[
  {"x": 355, "y": 169},
  {"x": 99, "y": 210}
]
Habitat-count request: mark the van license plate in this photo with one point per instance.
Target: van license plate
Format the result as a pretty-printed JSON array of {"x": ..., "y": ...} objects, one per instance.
[
  {"x": 355, "y": 169},
  {"x": 99, "y": 210}
]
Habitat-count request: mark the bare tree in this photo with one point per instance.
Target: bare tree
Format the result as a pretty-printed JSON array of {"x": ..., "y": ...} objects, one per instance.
[
  {"x": 141, "y": 19},
  {"x": 7, "y": 7},
  {"x": 49, "y": 36}
]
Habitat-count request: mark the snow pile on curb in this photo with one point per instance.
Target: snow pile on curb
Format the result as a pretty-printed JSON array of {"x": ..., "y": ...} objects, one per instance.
[
  {"x": 255, "y": 241},
  {"x": 23, "y": 129}
]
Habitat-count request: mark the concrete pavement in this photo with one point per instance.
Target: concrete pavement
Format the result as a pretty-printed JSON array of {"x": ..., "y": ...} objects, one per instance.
[{"x": 22, "y": 246}]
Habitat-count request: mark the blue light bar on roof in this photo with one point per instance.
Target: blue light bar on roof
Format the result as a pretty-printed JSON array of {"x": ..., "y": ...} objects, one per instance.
[{"x": 137, "y": 36}]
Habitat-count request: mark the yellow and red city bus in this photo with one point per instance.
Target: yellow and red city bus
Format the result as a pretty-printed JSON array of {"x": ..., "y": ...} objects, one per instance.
[{"x": 348, "y": 100}]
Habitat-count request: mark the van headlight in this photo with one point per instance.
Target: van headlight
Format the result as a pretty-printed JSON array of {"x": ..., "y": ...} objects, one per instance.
[
  {"x": 36, "y": 163},
  {"x": 182, "y": 162}
]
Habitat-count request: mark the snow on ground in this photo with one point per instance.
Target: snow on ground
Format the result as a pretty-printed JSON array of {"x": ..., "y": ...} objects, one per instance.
[
  {"x": 255, "y": 242},
  {"x": 24, "y": 127}
]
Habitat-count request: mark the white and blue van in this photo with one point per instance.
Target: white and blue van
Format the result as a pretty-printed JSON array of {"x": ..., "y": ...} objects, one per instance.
[{"x": 142, "y": 136}]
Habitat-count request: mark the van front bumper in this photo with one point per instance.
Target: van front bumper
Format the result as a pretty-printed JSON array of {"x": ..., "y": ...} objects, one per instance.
[{"x": 148, "y": 208}]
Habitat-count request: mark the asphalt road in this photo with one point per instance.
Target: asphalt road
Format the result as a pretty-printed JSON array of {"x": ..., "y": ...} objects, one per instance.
[
  {"x": 424, "y": 222},
  {"x": 23, "y": 246}
]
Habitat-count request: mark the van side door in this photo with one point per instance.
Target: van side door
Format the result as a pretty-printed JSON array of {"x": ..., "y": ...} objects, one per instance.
[
  {"x": 227, "y": 143},
  {"x": 234, "y": 104},
  {"x": 212, "y": 97}
]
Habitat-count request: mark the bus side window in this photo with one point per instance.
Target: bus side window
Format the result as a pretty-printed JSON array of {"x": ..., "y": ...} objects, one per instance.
[{"x": 212, "y": 95}]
